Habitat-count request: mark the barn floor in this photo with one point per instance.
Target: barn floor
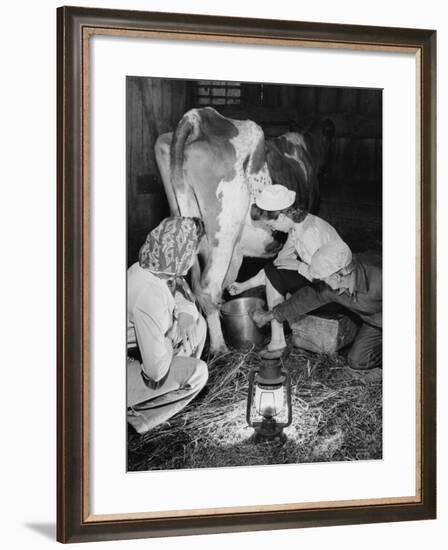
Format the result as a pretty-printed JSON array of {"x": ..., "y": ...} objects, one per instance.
[
  {"x": 337, "y": 416},
  {"x": 337, "y": 413}
]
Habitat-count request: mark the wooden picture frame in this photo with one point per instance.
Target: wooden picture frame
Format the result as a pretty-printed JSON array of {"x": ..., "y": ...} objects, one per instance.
[{"x": 75, "y": 27}]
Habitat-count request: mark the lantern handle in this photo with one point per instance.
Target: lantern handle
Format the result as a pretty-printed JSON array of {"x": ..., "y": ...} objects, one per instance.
[
  {"x": 288, "y": 395},
  {"x": 252, "y": 373}
]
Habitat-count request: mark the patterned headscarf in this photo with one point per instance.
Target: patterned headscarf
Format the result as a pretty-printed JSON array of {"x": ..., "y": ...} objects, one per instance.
[{"x": 171, "y": 246}]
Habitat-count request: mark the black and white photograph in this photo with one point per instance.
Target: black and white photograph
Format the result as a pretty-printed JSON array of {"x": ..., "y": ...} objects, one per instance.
[
  {"x": 254, "y": 274},
  {"x": 224, "y": 254}
]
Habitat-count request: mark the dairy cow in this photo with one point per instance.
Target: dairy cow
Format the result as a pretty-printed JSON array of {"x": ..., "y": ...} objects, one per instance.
[{"x": 213, "y": 167}]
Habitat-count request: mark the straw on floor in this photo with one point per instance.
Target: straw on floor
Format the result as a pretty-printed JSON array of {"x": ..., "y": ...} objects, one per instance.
[{"x": 337, "y": 415}]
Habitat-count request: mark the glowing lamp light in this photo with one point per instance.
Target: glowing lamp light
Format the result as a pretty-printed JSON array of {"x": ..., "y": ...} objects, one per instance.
[{"x": 269, "y": 401}]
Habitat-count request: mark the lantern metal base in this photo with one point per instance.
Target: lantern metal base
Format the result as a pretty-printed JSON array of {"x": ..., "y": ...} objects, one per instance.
[
  {"x": 279, "y": 439},
  {"x": 270, "y": 431}
]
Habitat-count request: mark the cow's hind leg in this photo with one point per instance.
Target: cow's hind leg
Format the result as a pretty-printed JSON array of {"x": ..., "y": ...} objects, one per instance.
[
  {"x": 222, "y": 268},
  {"x": 212, "y": 296}
]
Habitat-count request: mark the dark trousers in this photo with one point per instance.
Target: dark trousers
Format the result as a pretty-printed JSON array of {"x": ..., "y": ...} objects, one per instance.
[
  {"x": 285, "y": 280},
  {"x": 367, "y": 349}
]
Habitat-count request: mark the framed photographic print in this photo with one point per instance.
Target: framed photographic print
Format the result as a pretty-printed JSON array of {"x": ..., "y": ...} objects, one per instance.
[{"x": 246, "y": 274}]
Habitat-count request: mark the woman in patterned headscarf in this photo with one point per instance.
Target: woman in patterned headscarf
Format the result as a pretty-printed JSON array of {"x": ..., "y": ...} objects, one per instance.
[{"x": 164, "y": 323}]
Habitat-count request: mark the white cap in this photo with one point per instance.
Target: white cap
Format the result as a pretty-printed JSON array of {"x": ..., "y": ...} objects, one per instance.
[
  {"x": 275, "y": 197},
  {"x": 329, "y": 259}
]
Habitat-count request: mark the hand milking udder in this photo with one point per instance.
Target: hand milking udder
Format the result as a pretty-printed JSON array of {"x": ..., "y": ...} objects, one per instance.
[{"x": 236, "y": 288}]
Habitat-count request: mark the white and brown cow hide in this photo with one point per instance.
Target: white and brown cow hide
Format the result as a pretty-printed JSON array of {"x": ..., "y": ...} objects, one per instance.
[{"x": 213, "y": 167}]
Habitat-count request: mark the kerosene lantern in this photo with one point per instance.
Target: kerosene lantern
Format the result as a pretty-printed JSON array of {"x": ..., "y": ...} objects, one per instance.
[{"x": 269, "y": 401}]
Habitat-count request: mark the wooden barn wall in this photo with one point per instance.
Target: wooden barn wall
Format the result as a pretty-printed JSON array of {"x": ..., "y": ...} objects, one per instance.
[
  {"x": 352, "y": 189},
  {"x": 154, "y": 106}
]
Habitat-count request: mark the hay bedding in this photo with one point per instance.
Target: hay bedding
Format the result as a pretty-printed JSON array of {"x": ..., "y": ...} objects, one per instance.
[{"x": 337, "y": 415}]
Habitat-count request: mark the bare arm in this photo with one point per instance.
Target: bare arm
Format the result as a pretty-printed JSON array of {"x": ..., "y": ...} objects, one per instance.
[{"x": 257, "y": 280}]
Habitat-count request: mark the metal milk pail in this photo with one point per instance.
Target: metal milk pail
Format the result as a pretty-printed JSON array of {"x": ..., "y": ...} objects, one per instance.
[{"x": 238, "y": 326}]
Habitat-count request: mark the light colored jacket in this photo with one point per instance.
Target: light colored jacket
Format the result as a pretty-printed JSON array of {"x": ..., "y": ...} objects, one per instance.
[
  {"x": 151, "y": 313},
  {"x": 304, "y": 240}
]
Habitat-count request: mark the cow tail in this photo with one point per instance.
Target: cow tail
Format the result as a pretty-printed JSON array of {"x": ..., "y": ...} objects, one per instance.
[{"x": 186, "y": 129}]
